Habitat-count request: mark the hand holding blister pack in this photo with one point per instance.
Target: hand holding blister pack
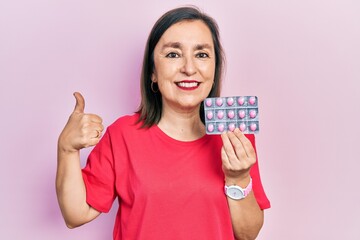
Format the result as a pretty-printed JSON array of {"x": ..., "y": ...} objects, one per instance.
[{"x": 227, "y": 113}]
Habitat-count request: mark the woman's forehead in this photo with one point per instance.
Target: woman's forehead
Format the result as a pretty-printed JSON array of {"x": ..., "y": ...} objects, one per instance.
[{"x": 194, "y": 32}]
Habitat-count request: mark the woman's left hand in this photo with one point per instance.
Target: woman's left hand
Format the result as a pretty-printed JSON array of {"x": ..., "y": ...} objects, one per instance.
[{"x": 238, "y": 155}]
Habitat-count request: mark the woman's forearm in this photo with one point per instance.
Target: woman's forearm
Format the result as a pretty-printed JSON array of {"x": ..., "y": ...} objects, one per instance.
[
  {"x": 71, "y": 191},
  {"x": 246, "y": 216}
]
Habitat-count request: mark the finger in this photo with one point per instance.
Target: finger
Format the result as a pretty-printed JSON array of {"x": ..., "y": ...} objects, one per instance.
[
  {"x": 231, "y": 164},
  {"x": 247, "y": 146},
  {"x": 94, "y": 118},
  {"x": 100, "y": 128},
  {"x": 80, "y": 103},
  {"x": 225, "y": 159},
  {"x": 93, "y": 142},
  {"x": 238, "y": 145},
  {"x": 96, "y": 134},
  {"x": 99, "y": 131},
  {"x": 228, "y": 147},
  {"x": 95, "y": 130}
]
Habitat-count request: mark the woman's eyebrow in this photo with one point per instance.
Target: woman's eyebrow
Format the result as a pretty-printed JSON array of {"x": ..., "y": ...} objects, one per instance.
[
  {"x": 172, "y": 45},
  {"x": 202, "y": 46},
  {"x": 179, "y": 46}
]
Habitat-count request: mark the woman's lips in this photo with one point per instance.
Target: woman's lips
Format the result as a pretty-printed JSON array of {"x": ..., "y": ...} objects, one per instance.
[{"x": 188, "y": 84}]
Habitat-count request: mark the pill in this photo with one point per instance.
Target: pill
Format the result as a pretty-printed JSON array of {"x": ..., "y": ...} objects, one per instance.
[
  {"x": 208, "y": 102},
  {"x": 221, "y": 127},
  {"x": 253, "y": 126},
  {"x": 231, "y": 114},
  {"x": 242, "y": 114},
  {"x": 210, "y": 127},
  {"x": 230, "y": 101},
  {"x": 252, "y": 100},
  {"x": 242, "y": 127},
  {"x": 231, "y": 127},
  {"x": 219, "y": 102},
  {"x": 220, "y": 114},
  {"x": 209, "y": 115},
  {"x": 252, "y": 113},
  {"x": 241, "y": 101}
]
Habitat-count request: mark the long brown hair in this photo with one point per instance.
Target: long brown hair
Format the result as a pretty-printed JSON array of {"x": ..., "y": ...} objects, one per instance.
[{"x": 150, "y": 108}]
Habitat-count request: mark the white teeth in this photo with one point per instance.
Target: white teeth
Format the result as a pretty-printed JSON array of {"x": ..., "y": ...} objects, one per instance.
[{"x": 188, "y": 84}]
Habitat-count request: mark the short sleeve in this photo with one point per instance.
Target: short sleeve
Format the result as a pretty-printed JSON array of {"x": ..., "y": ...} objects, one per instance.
[
  {"x": 99, "y": 177},
  {"x": 258, "y": 189}
]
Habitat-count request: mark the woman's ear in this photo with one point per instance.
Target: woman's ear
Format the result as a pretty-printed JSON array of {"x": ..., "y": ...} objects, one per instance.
[{"x": 153, "y": 77}]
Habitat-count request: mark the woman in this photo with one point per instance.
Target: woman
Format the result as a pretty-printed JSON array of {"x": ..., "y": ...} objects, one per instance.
[{"x": 167, "y": 174}]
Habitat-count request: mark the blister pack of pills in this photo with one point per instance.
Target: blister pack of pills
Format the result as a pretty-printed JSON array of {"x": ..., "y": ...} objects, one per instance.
[{"x": 227, "y": 113}]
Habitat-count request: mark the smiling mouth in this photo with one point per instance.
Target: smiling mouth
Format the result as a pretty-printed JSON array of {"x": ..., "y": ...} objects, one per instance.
[{"x": 188, "y": 85}]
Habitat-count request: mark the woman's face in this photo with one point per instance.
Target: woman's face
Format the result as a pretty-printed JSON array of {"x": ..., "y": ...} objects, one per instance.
[{"x": 184, "y": 61}]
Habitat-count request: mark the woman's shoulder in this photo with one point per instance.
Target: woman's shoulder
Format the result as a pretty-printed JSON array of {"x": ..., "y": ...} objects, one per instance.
[{"x": 126, "y": 122}]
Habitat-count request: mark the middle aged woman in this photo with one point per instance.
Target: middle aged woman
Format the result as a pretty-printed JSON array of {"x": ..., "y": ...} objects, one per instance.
[{"x": 168, "y": 175}]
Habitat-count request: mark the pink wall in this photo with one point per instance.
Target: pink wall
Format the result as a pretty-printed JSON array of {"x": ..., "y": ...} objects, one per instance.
[{"x": 302, "y": 58}]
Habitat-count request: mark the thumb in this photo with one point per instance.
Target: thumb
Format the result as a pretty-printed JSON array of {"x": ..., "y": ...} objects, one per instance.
[{"x": 80, "y": 103}]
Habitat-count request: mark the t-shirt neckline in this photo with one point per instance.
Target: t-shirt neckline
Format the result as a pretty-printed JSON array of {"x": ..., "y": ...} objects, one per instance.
[{"x": 166, "y": 137}]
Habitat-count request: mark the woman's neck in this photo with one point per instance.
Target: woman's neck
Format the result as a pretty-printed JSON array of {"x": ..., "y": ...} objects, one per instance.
[{"x": 182, "y": 126}]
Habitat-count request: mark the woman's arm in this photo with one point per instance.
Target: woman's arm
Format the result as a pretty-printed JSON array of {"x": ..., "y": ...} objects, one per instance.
[
  {"x": 246, "y": 216},
  {"x": 71, "y": 192},
  {"x": 238, "y": 155},
  {"x": 82, "y": 130}
]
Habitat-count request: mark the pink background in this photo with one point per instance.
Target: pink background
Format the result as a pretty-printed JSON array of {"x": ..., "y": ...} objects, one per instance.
[{"x": 301, "y": 58}]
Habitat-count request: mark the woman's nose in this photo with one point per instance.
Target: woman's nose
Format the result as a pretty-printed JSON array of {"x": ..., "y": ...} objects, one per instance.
[{"x": 188, "y": 67}]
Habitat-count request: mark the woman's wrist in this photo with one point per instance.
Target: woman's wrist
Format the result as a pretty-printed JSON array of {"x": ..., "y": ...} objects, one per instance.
[
  {"x": 64, "y": 150},
  {"x": 241, "y": 181}
]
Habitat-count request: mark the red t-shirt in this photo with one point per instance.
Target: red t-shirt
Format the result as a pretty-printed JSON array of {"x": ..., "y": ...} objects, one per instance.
[{"x": 167, "y": 189}]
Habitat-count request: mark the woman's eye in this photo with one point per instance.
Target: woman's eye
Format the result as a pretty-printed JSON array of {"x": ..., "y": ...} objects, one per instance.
[
  {"x": 202, "y": 55},
  {"x": 172, "y": 55}
]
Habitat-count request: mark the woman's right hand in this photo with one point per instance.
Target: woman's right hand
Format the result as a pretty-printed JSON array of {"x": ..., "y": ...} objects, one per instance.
[{"x": 82, "y": 130}]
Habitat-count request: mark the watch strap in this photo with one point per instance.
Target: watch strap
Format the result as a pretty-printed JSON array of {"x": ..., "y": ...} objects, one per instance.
[{"x": 248, "y": 188}]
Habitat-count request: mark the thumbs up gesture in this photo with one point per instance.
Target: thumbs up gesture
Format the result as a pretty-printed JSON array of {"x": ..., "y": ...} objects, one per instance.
[{"x": 82, "y": 130}]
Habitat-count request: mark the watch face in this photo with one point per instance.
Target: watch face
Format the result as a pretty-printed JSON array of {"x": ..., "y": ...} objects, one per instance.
[{"x": 234, "y": 193}]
